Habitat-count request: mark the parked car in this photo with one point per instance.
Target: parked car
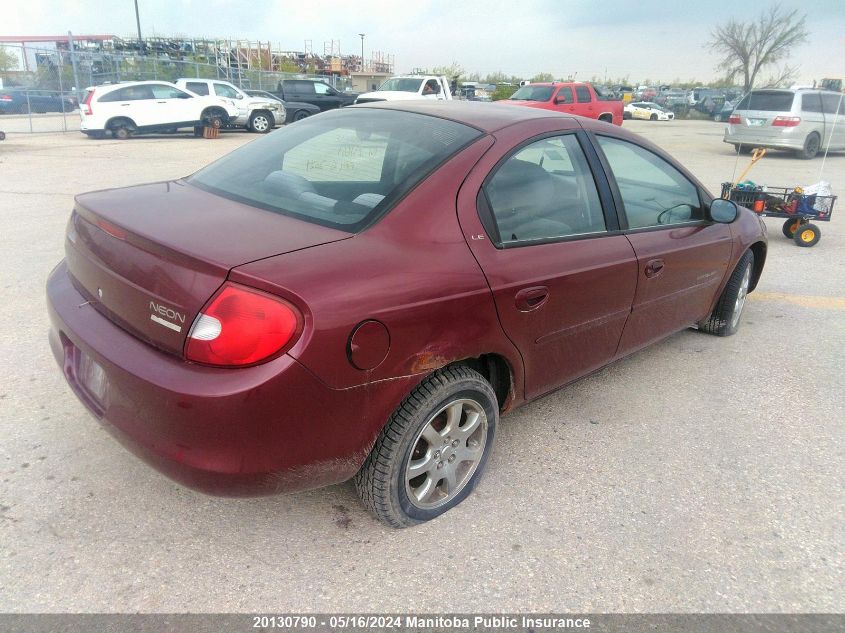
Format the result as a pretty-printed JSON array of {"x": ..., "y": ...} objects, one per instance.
[
  {"x": 648, "y": 111},
  {"x": 569, "y": 98},
  {"x": 724, "y": 113},
  {"x": 149, "y": 106},
  {"x": 294, "y": 110},
  {"x": 801, "y": 120},
  {"x": 408, "y": 88},
  {"x": 256, "y": 114},
  {"x": 316, "y": 93},
  {"x": 304, "y": 335},
  {"x": 22, "y": 101}
]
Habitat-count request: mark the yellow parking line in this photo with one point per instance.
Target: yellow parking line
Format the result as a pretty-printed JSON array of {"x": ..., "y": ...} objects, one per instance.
[{"x": 805, "y": 301}]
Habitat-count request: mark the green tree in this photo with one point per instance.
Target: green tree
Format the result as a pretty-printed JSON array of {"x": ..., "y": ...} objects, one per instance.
[
  {"x": 746, "y": 48},
  {"x": 8, "y": 61},
  {"x": 540, "y": 77}
]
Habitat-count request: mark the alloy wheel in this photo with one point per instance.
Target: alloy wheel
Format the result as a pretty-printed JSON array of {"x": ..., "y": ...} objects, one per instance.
[{"x": 446, "y": 453}]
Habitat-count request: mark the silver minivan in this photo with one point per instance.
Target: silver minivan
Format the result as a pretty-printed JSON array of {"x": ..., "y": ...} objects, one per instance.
[{"x": 803, "y": 120}]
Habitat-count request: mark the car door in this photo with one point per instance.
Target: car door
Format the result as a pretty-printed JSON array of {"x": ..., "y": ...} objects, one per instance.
[
  {"x": 563, "y": 279},
  {"x": 682, "y": 257},
  {"x": 833, "y": 105},
  {"x": 134, "y": 102},
  {"x": 173, "y": 105},
  {"x": 564, "y": 100},
  {"x": 327, "y": 97},
  {"x": 585, "y": 101}
]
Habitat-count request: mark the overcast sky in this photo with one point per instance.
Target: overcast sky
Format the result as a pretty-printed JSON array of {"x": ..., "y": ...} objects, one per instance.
[{"x": 640, "y": 39}]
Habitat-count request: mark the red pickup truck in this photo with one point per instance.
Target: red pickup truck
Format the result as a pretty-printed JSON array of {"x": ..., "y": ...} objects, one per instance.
[{"x": 569, "y": 98}]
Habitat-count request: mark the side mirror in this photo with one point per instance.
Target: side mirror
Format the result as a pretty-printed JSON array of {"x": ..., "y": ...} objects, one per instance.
[
  {"x": 239, "y": 96},
  {"x": 559, "y": 100},
  {"x": 723, "y": 211}
]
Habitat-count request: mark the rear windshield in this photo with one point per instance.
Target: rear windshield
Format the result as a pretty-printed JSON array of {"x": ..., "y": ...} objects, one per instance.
[
  {"x": 533, "y": 93},
  {"x": 343, "y": 169},
  {"x": 767, "y": 101}
]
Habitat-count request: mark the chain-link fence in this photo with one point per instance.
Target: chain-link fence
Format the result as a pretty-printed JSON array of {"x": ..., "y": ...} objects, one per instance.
[{"x": 40, "y": 89}]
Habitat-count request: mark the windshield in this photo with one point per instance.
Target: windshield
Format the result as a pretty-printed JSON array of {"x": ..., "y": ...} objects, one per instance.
[
  {"x": 343, "y": 169},
  {"x": 767, "y": 101},
  {"x": 402, "y": 84},
  {"x": 533, "y": 93}
]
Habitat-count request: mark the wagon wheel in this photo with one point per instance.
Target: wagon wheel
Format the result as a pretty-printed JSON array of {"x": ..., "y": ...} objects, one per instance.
[
  {"x": 807, "y": 235},
  {"x": 789, "y": 227}
]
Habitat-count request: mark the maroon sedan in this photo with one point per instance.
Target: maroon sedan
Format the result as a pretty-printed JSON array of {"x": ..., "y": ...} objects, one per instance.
[{"x": 363, "y": 293}]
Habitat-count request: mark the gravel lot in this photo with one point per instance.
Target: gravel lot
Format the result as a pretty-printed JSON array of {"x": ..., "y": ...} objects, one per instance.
[{"x": 701, "y": 474}]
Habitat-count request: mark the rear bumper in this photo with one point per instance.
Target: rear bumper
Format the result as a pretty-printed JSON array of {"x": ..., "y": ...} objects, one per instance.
[
  {"x": 258, "y": 430},
  {"x": 788, "y": 138}
]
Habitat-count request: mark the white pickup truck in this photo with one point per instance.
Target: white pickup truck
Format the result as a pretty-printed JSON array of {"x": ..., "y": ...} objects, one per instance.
[
  {"x": 409, "y": 87},
  {"x": 256, "y": 114}
]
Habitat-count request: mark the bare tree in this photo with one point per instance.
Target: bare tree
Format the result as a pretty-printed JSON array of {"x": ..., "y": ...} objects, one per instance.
[{"x": 747, "y": 47}]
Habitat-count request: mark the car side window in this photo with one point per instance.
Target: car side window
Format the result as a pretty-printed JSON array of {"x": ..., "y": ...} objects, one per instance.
[
  {"x": 653, "y": 192},
  {"x": 321, "y": 89},
  {"x": 302, "y": 87},
  {"x": 833, "y": 103},
  {"x": 811, "y": 102},
  {"x": 583, "y": 94},
  {"x": 564, "y": 95},
  {"x": 545, "y": 191},
  {"x": 197, "y": 87},
  {"x": 161, "y": 91},
  {"x": 222, "y": 90}
]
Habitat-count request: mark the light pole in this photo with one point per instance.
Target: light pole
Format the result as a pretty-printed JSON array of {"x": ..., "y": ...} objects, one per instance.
[
  {"x": 138, "y": 24},
  {"x": 361, "y": 35}
]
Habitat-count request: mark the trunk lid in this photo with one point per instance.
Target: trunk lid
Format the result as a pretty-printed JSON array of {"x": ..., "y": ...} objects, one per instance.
[{"x": 149, "y": 257}]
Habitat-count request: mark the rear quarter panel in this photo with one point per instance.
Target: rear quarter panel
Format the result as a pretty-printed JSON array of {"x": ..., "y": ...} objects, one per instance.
[{"x": 412, "y": 271}]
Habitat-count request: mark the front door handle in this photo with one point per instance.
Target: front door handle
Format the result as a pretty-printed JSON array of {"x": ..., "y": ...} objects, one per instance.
[
  {"x": 529, "y": 299},
  {"x": 654, "y": 267}
]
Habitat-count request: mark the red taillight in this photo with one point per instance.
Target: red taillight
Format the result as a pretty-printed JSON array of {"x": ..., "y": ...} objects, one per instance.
[
  {"x": 734, "y": 119},
  {"x": 241, "y": 326},
  {"x": 111, "y": 229},
  {"x": 6, "y": 98},
  {"x": 88, "y": 99},
  {"x": 786, "y": 121}
]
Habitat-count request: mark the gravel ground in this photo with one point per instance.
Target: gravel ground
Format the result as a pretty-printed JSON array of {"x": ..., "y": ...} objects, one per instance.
[{"x": 701, "y": 474}]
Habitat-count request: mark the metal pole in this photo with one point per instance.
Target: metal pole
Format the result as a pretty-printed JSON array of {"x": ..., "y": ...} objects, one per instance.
[
  {"x": 362, "y": 51},
  {"x": 76, "y": 85},
  {"x": 62, "y": 92},
  {"x": 138, "y": 23}
]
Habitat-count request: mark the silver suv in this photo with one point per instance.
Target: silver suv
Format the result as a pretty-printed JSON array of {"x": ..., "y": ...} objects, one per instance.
[{"x": 803, "y": 120}]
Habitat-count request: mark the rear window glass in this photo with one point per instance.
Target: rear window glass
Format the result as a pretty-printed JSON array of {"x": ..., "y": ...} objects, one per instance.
[
  {"x": 767, "y": 101},
  {"x": 402, "y": 84},
  {"x": 342, "y": 169}
]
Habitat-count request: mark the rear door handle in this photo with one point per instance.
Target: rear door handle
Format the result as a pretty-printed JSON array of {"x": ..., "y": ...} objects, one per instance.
[
  {"x": 529, "y": 299},
  {"x": 654, "y": 267}
]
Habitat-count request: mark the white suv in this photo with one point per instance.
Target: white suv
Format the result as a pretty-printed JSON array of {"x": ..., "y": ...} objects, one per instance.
[
  {"x": 257, "y": 114},
  {"x": 149, "y": 106}
]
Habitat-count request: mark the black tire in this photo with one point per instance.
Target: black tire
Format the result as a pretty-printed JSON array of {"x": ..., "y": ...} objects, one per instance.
[
  {"x": 2, "y": 136},
  {"x": 807, "y": 235},
  {"x": 789, "y": 227},
  {"x": 653, "y": 117},
  {"x": 724, "y": 321},
  {"x": 743, "y": 149},
  {"x": 261, "y": 122},
  {"x": 606, "y": 118},
  {"x": 121, "y": 132},
  {"x": 811, "y": 147},
  {"x": 301, "y": 114},
  {"x": 382, "y": 483},
  {"x": 213, "y": 117},
  {"x": 626, "y": 116},
  {"x": 97, "y": 134}
]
